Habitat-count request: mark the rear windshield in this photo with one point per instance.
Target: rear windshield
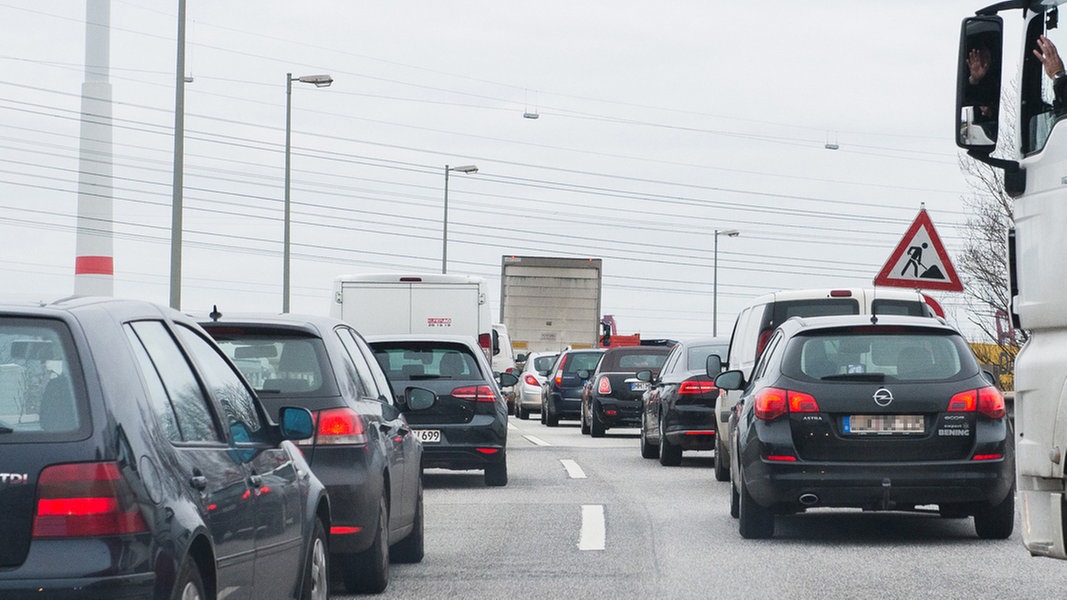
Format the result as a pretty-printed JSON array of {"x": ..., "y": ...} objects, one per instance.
[
  {"x": 277, "y": 362},
  {"x": 897, "y": 355},
  {"x": 635, "y": 359},
  {"x": 42, "y": 394},
  {"x": 578, "y": 361},
  {"x": 815, "y": 307},
  {"x": 697, "y": 358},
  {"x": 544, "y": 363},
  {"x": 416, "y": 360}
]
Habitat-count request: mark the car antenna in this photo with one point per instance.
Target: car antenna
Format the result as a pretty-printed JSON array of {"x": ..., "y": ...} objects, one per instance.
[{"x": 215, "y": 314}]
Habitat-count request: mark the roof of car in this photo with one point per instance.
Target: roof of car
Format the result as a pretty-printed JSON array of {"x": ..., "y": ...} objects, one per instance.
[
  {"x": 887, "y": 293},
  {"x": 284, "y": 319},
  {"x": 422, "y": 337},
  {"x": 796, "y": 324}
]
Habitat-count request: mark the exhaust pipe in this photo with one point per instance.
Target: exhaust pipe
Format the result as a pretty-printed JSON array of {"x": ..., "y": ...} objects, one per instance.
[{"x": 809, "y": 499}]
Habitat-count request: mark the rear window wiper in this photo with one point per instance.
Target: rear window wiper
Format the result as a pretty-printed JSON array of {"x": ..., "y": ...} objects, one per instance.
[{"x": 875, "y": 377}]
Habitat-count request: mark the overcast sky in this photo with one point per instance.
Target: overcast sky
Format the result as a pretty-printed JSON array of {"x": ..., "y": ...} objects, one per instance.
[{"x": 658, "y": 123}]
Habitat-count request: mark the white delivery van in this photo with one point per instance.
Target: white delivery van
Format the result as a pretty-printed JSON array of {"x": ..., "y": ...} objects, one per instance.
[
  {"x": 391, "y": 303},
  {"x": 758, "y": 320}
]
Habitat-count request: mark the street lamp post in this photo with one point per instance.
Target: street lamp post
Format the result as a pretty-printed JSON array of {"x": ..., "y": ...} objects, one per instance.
[
  {"x": 715, "y": 280},
  {"x": 444, "y": 228},
  {"x": 317, "y": 81}
]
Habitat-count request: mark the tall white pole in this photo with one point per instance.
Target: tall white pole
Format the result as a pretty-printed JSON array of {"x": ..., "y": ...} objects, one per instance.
[
  {"x": 94, "y": 263},
  {"x": 179, "y": 167},
  {"x": 444, "y": 229},
  {"x": 715, "y": 289},
  {"x": 286, "y": 251}
]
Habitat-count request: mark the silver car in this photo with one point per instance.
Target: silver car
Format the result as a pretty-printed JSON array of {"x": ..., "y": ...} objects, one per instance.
[{"x": 532, "y": 381}]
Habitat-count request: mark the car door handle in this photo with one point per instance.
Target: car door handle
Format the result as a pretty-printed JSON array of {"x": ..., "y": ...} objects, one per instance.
[
  {"x": 255, "y": 480},
  {"x": 199, "y": 482}
]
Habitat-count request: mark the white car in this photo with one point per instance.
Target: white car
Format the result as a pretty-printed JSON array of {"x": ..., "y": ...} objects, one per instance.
[{"x": 531, "y": 381}]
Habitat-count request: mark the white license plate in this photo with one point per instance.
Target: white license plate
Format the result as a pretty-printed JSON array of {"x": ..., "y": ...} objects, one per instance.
[
  {"x": 428, "y": 436},
  {"x": 884, "y": 424},
  {"x": 639, "y": 386}
]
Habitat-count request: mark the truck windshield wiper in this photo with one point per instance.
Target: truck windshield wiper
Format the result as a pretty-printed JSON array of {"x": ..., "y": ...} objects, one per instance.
[{"x": 875, "y": 377}]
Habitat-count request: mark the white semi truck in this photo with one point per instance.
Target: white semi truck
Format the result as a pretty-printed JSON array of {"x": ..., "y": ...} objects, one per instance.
[
  {"x": 1035, "y": 175},
  {"x": 550, "y": 303}
]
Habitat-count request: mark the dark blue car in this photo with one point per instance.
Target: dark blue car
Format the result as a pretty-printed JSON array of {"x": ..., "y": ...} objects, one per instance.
[{"x": 563, "y": 394}]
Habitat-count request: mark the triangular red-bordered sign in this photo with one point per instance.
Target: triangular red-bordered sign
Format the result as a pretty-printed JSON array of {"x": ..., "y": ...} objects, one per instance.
[{"x": 920, "y": 261}]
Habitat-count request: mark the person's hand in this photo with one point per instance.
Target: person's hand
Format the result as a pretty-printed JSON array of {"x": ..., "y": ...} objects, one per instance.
[
  {"x": 978, "y": 63},
  {"x": 1047, "y": 54}
]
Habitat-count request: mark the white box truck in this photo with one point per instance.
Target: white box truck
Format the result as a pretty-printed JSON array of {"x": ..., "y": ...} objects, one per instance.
[
  {"x": 388, "y": 303},
  {"x": 550, "y": 303}
]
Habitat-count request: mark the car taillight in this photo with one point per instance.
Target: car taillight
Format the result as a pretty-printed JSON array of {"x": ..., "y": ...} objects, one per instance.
[
  {"x": 485, "y": 340},
  {"x": 559, "y": 377},
  {"x": 477, "y": 393},
  {"x": 603, "y": 387},
  {"x": 761, "y": 342},
  {"x": 987, "y": 400},
  {"x": 339, "y": 426},
  {"x": 772, "y": 403},
  {"x": 531, "y": 380},
  {"x": 696, "y": 387},
  {"x": 802, "y": 403},
  {"x": 84, "y": 500}
]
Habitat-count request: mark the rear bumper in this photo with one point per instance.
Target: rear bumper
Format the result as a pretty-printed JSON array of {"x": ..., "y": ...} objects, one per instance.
[
  {"x": 693, "y": 427},
  {"x": 618, "y": 413},
  {"x": 353, "y": 477},
  {"x": 139, "y": 585},
  {"x": 878, "y": 486},
  {"x": 565, "y": 408},
  {"x": 89, "y": 568},
  {"x": 474, "y": 445}
]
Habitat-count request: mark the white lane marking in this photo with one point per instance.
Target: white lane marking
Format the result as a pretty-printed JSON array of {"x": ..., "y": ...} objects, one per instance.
[
  {"x": 573, "y": 469},
  {"x": 593, "y": 535},
  {"x": 536, "y": 440}
]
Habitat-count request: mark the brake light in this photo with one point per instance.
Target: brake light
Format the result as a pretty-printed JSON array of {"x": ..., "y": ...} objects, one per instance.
[
  {"x": 696, "y": 387},
  {"x": 991, "y": 403},
  {"x": 339, "y": 426},
  {"x": 84, "y": 500},
  {"x": 802, "y": 403},
  {"x": 485, "y": 340},
  {"x": 603, "y": 387},
  {"x": 964, "y": 402},
  {"x": 531, "y": 380},
  {"x": 477, "y": 393},
  {"x": 770, "y": 403}
]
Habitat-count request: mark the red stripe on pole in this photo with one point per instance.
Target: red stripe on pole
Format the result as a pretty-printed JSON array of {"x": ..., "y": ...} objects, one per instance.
[{"x": 94, "y": 265}]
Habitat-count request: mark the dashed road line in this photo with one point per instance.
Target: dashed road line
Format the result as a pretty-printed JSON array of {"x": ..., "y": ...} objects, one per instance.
[
  {"x": 593, "y": 535},
  {"x": 536, "y": 440},
  {"x": 573, "y": 469}
]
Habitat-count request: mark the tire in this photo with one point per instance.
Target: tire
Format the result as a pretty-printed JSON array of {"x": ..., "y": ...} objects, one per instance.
[
  {"x": 496, "y": 475},
  {"x": 722, "y": 461},
  {"x": 412, "y": 548},
  {"x": 755, "y": 521},
  {"x": 585, "y": 424},
  {"x": 544, "y": 414},
  {"x": 735, "y": 502},
  {"x": 316, "y": 584},
  {"x": 367, "y": 572},
  {"x": 648, "y": 449},
  {"x": 996, "y": 522},
  {"x": 669, "y": 454},
  {"x": 596, "y": 426},
  {"x": 189, "y": 584},
  {"x": 521, "y": 413}
]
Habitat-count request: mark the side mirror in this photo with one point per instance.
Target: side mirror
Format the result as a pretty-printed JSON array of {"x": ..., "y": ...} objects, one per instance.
[
  {"x": 417, "y": 398},
  {"x": 521, "y": 357},
  {"x": 296, "y": 423},
  {"x": 507, "y": 379},
  {"x": 978, "y": 78},
  {"x": 644, "y": 376},
  {"x": 730, "y": 380},
  {"x": 713, "y": 365}
]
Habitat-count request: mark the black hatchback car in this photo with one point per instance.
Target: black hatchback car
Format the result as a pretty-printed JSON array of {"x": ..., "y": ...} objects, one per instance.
[
  {"x": 612, "y": 395},
  {"x": 138, "y": 463},
  {"x": 679, "y": 406},
  {"x": 879, "y": 413},
  {"x": 363, "y": 448},
  {"x": 467, "y": 428},
  {"x": 563, "y": 390}
]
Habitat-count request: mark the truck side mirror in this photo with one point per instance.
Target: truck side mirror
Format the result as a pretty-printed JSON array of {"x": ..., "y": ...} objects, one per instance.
[{"x": 978, "y": 77}]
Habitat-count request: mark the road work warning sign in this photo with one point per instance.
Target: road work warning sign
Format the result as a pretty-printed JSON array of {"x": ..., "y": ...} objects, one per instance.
[{"x": 920, "y": 261}]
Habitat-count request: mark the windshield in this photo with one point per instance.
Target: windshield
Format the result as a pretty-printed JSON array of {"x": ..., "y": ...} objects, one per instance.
[{"x": 859, "y": 354}]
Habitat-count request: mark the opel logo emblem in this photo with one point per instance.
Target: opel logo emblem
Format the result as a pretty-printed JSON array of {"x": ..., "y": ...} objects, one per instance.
[{"x": 883, "y": 397}]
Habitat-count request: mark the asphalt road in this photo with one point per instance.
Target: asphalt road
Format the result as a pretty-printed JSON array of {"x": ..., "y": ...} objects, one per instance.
[{"x": 666, "y": 532}]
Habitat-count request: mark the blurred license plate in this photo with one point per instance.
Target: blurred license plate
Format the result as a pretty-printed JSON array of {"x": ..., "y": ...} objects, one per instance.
[
  {"x": 863, "y": 424},
  {"x": 639, "y": 386},
  {"x": 428, "y": 436}
]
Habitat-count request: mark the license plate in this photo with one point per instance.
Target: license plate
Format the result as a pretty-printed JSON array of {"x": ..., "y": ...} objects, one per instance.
[
  {"x": 639, "y": 386},
  {"x": 428, "y": 436},
  {"x": 884, "y": 424}
]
